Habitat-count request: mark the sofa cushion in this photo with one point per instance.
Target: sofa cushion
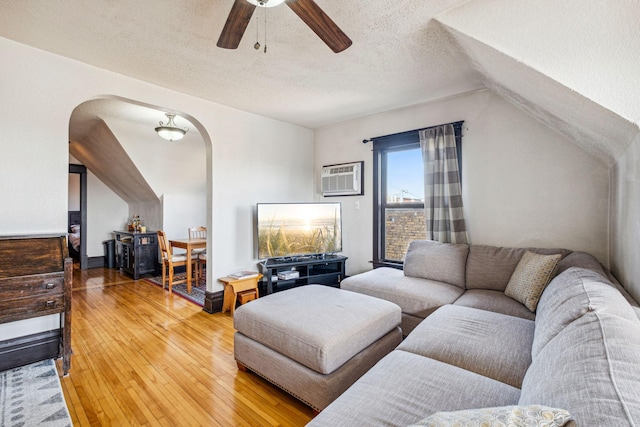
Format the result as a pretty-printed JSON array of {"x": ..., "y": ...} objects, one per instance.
[
  {"x": 442, "y": 262},
  {"x": 568, "y": 297},
  {"x": 491, "y": 267},
  {"x": 590, "y": 369},
  {"x": 490, "y": 344},
  {"x": 532, "y": 415},
  {"x": 532, "y": 274},
  {"x": 403, "y": 388},
  {"x": 418, "y": 297},
  {"x": 582, "y": 260},
  {"x": 495, "y": 301}
]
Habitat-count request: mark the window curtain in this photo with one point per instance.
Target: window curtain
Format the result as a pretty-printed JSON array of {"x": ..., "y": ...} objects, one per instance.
[{"x": 442, "y": 191}]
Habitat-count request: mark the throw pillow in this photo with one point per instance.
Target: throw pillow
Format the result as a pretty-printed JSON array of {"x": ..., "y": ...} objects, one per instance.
[
  {"x": 532, "y": 275},
  {"x": 504, "y": 416}
]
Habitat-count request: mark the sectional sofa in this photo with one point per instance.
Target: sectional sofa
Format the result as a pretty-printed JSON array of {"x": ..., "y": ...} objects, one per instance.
[{"x": 491, "y": 339}]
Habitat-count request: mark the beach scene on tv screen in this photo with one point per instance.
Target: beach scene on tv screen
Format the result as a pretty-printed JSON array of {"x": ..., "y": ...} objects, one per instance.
[{"x": 298, "y": 229}]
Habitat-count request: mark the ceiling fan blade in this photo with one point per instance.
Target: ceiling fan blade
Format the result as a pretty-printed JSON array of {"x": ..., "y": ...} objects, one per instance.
[
  {"x": 236, "y": 24},
  {"x": 320, "y": 23}
]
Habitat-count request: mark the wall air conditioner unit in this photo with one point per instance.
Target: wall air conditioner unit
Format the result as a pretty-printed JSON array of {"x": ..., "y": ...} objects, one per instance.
[{"x": 343, "y": 180}]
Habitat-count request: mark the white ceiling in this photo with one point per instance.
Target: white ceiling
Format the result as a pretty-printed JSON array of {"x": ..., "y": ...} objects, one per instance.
[
  {"x": 571, "y": 64},
  {"x": 397, "y": 58}
]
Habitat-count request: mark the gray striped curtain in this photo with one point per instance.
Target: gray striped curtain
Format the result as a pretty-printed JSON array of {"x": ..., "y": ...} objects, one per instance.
[{"x": 442, "y": 190}]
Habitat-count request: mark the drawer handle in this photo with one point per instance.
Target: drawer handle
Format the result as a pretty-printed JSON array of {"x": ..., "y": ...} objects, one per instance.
[
  {"x": 50, "y": 285},
  {"x": 50, "y": 304}
]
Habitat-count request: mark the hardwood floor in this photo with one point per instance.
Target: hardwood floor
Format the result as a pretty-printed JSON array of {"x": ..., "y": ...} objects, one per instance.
[{"x": 144, "y": 357}]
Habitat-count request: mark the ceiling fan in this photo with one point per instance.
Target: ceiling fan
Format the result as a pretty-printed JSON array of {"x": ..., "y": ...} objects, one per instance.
[{"x": 307, "y": 10}]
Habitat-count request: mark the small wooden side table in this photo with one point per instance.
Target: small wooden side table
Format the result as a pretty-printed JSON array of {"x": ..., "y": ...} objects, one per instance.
[{"x": 233, "y": 286}]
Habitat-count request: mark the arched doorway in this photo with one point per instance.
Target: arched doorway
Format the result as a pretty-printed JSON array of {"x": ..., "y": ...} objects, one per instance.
[{"x": 128, "y": 162}]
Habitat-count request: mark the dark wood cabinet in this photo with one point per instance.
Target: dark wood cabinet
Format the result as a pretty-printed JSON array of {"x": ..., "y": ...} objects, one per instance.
[
  {"x": 36, "y": 280},
  {"x": 137, "y": 253},
  {"x": 317, "y": 269}
]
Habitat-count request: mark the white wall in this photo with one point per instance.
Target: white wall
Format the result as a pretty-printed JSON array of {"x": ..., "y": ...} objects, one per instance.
[
  {"x": 526, "y": 185},
  {"x": 181, "y": 211},
  {"x": 248, "y": 158},
  {"x": 523, "y": 184},
  {"x": 168, "y": 167},
  {"x": 74, "y": 192},
  {"x": 256, "y": 163},
  {"x": 106, "y": 212},
  {"x": 625, "y": 219}
]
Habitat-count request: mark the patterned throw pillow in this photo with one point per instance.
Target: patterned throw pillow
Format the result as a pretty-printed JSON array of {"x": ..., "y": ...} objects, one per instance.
[
  {"x": 532, "y": 275},
  {"x": 504, "y": 416}
]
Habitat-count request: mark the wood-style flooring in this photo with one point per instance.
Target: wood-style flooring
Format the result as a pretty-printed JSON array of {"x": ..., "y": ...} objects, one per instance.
[{"x": 142, "y": 357}]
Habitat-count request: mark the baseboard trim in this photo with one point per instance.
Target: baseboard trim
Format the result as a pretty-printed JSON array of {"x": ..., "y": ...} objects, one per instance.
[
  {"x": 213, "y": 301},
  {"x": 95, "y": 262},
  {"x": 29, "y": 349}
]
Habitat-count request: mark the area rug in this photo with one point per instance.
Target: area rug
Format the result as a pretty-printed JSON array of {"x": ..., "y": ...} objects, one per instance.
[
  {"x": 32, "y": 396},
  {"x": 197, "y": 291}
]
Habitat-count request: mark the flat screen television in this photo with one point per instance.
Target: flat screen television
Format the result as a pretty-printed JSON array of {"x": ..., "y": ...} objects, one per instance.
[{"x": 298, "y": 229}]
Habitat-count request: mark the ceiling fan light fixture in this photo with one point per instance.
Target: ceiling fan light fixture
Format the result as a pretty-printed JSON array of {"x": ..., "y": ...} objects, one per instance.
[
  {"x": 266, "y": 3},
  {"x": 170, "y": 131},
  {"x": 307, "y": 10}
]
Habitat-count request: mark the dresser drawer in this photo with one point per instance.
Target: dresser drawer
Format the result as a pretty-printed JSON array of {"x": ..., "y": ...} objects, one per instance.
[
  {"x": 23, "y": 308},
  {"x": 36, "y": 279},
  {"x": 34, "y": 285}
]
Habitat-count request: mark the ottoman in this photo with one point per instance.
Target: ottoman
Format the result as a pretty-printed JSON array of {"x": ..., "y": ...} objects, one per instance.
[{"x": 315, "y": 341}]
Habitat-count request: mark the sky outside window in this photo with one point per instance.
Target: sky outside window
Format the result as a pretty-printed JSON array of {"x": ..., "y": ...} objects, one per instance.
[{"x": 405, "y": 177}]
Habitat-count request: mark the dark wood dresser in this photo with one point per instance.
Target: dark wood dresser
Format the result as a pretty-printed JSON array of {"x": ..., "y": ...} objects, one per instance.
[
  {"x": 36, "y": 280},
  {"x": 137, "y": 252}
]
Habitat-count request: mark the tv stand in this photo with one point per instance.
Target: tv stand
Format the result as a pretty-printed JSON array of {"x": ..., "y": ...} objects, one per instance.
[
  {"x": 312, "y": 269},
  {"x": 296, "y": 258}
]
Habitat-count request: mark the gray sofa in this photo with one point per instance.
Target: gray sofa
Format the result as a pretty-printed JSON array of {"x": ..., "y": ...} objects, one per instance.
[{"x": 475, "y": 349}]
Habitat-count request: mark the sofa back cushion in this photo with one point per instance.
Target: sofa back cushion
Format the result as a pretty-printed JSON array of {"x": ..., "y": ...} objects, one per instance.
[
  {"x": 569, "y": 296},
  {"x": 590, "y": 369},
  {"x": 443, "y": 262},
  {"x": 491, "y": 267},
  {"x": 582, "y": 260}
]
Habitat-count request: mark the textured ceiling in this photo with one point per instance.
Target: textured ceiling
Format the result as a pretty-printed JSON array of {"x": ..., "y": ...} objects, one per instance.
[
  {"x": 571, "y": 64},
  {"x": 398, "y": 57}
]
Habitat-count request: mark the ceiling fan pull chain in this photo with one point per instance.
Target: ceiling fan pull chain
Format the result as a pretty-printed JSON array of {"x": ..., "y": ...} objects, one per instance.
[
  {"x": 265, "y": 30},
  {"x": 307, "y": 10},
  {"x": 257, "y": 45}
]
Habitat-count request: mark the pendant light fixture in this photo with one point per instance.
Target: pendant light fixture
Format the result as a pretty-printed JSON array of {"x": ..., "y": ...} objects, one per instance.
[{"x": 170, "y": 131}]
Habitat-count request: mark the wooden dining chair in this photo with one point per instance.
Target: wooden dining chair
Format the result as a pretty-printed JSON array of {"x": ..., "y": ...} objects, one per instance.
[
  {"x": 199, "y": 233},
  {"x": 202, "y": 263},
  {"x": 171, "y": 261}
]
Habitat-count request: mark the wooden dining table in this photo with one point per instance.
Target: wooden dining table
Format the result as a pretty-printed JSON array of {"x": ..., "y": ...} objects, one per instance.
[{"x": 189, "y": 245}]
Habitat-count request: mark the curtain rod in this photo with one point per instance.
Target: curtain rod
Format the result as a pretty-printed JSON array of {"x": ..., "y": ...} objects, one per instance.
[{"x": 455, "y": 124}]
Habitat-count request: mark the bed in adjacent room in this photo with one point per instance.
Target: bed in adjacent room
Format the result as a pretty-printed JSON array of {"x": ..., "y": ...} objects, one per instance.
[{"x": 74, "y": 234}]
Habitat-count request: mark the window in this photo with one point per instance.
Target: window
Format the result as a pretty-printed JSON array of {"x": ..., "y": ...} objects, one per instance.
[{"x": 399, "y": 194}]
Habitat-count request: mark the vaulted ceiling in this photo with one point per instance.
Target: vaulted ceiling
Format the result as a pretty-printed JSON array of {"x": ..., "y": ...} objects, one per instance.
[{"x": 573, "y": 65}]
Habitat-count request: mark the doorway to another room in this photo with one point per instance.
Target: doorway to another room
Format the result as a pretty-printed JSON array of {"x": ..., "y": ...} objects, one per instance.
[{"x": 77, "y": 215}]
